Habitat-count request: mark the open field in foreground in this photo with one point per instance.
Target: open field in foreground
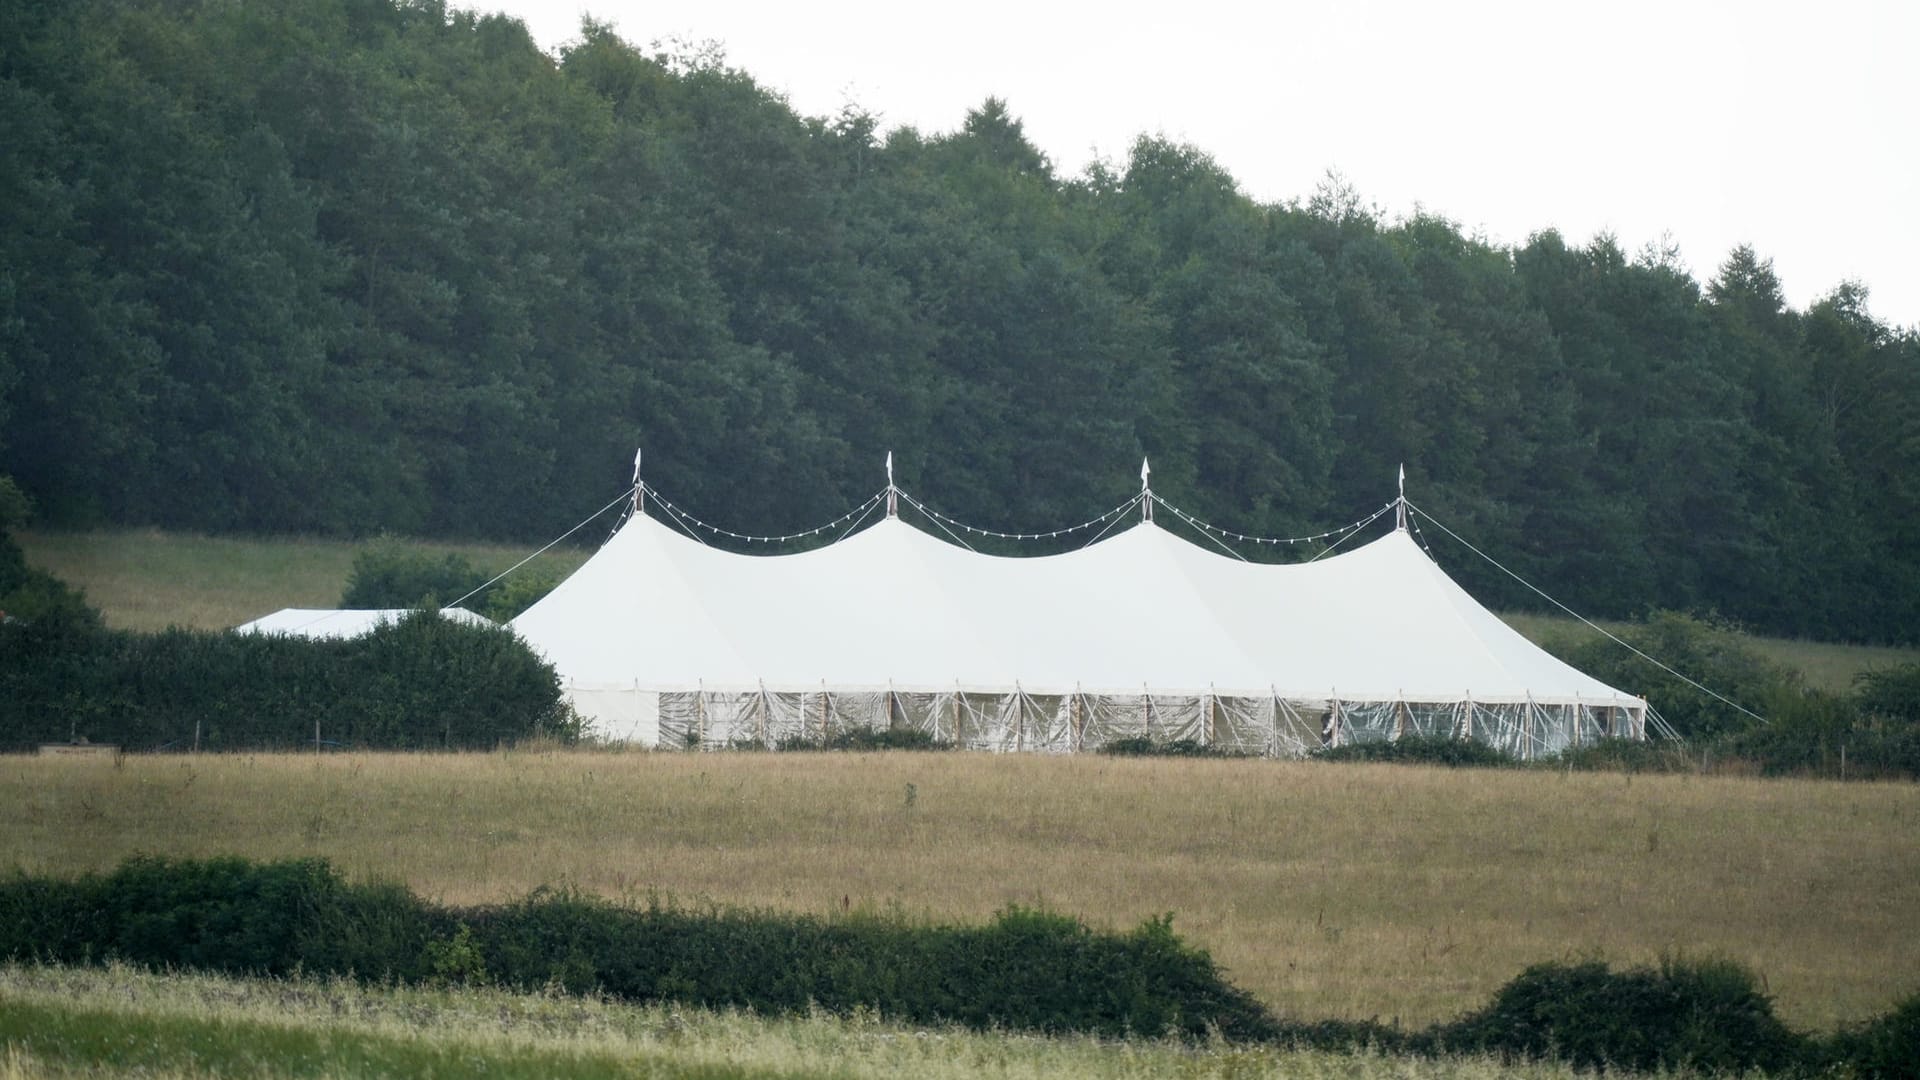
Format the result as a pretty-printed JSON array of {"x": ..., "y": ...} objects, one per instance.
[
  {"x": 146, "y": 579},
  {"x": 119, "y": 1022},
  {"x": 1328, "y": 890}
]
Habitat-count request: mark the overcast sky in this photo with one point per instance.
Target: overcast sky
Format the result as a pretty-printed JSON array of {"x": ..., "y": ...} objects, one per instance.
[{"x": 1791, "y": 127}]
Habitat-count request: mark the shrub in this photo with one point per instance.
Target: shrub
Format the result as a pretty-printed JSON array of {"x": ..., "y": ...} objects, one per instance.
[
  {"x": 389, "y": 575},
  {"x": 884, "y": 739},
  {"x": 1026, "y": 969},
  {"x": 1424, "y": 750},
  {"x": 221, "y": 914},
  {"x": 1702, "y": 1015},
  {"x": 859, "y": 739},
  {"x": 517, "y": 592},
  {"x": 1625, "y": 755},
  {"x": 1709, "y": 653},
  {"x": 29, "y": 595},
  {"x": 1890, "y": 694},
  {"x": 1884, "y": 1049},
  {"x": 424, "y": 681},
  {"x": 1147, "y": 746}
]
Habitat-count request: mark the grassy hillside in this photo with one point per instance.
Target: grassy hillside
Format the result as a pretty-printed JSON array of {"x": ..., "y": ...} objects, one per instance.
[
  {"x": 1823, "y": 665},
  {"x": 1327, "y": 890},
  {"x": 148, "y": 580}
]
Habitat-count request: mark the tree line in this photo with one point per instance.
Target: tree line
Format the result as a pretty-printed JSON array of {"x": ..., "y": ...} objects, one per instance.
[{"x": 354, "y": 266}]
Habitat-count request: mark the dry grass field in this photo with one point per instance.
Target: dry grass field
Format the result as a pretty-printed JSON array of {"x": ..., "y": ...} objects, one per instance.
[
  {"x": 1328, "y": 890},
  {"x": 111, "y": 1022}
]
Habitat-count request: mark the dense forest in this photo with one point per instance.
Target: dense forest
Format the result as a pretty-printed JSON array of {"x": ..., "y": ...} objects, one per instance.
[{"x": 354, "y": 266}]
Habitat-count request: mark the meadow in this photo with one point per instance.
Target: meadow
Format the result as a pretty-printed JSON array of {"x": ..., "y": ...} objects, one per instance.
[
  {"x": 122, "y": 1022},
  {"x": 1327, "y": 890},
  {"x": 148, "y": 579}
]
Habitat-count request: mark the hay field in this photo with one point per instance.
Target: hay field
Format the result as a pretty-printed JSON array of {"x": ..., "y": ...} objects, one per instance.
[
  {"x": 1328, "y": 890},
  {"x": 121, "y": 1022}
]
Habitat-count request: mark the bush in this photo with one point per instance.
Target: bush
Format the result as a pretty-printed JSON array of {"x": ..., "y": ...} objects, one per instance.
[
  {"x": 1709, "y": 653},
  {"x": 518, "y": 592},
  {"x": 1423, "y": 750},
  {"x": 1885, "y": 1049},
  {"x": 221, "y": 914},
  {"x": 1890, "y": 694},
  {"x": 859, "y": 739},
  {"x": 388, "y": 575},
  {"x": 424, "y": 681},
  {"x": 1705, "y": 1015},
  {"x": 1625, "y": 755},
  {"x": 1027, "y": 970},
  {"x": 1147, "y": 746},
  {"x": 29, "y": 595}
]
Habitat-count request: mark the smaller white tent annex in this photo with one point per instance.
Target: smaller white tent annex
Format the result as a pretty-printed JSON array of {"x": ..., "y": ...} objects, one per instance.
[
  {"x": 342, "y": 622},
  {"x": 666, "y": 641}
]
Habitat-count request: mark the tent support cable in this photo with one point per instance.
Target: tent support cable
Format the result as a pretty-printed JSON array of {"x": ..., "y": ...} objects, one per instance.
[
  {"x": 1351, "y": 533},
  {"x": 622, "y": 497},
  {"x": 1590, "y": 624},
  {"x": 1208, "y": 533},
  {"x": 917, "y": 505},
  {"x": 678, "y": 518},
  {"x": 1118, "y": 516}
]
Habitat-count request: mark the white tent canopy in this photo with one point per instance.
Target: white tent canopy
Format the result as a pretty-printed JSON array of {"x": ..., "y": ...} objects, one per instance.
[
  {"x": 666, "y": 640},
  {"x": 341, "y": 622}
]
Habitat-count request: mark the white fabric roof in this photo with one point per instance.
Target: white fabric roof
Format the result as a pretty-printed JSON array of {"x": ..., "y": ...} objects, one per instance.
[
  {"x": 895, "y": 606},
  {"x": 341, "y": 622}
]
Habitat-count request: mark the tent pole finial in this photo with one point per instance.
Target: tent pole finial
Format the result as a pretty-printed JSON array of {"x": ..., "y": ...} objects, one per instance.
[
  {"x": 893, "y": 493},
  {"x": 1400, "y": 504},
  {"x": 1146, "y": 493},
  {"x": 636, "y": 483}
]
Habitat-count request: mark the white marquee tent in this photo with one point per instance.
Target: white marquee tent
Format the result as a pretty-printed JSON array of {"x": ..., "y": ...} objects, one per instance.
[
  {"x": 666, "y": 641},
  {"x": 341, "y": 622}
]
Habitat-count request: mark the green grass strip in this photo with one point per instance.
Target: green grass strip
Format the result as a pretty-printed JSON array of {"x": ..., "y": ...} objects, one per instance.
[{"x": 116, "y": 1040}]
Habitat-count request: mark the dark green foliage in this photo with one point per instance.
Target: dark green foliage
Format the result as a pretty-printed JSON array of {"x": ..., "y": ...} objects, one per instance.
[
  {"x": 1842, "y": 748},
  {"x": 423, "y": 682},
  {"x": 1885, "y": 1049},
  {"x": 1709, "y": 654},
  {"x": 1702, "y": 1015},
  {"x": 29, "y": 595},
  {"x": 391, "y": 576},
  {"x": 1891, "y": 695},
  {"x": 222, "y": 914},
  {"x": 864, "y": 739},
  {"x": 517, "y": 592},
  {"x": 1026, "y": 969},
  {"x": 1148, "y": 746},
  {"x": 347, "y": 266},
  {"x": 1422, "y": 750},
  {"x": 890, "y": 739},
  {"x": 1627, "y": 755}
]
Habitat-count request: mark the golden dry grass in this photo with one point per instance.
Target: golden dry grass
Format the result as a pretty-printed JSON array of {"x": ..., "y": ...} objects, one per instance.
[
  {"x": 199, "y": 1025},
  {"x": 1327, "y": 890}
]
